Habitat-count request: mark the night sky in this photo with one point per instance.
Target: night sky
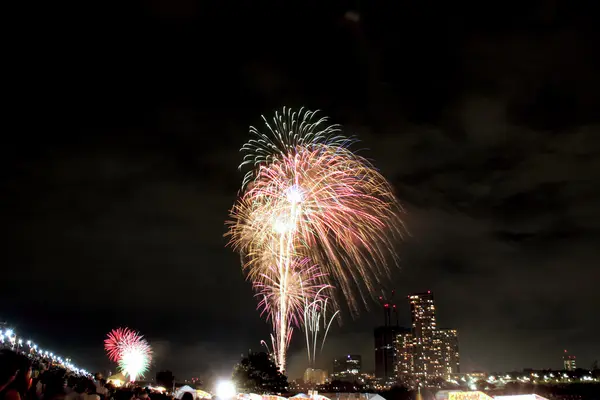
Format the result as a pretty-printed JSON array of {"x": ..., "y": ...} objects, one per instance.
[{"x": 121, "y": 166}]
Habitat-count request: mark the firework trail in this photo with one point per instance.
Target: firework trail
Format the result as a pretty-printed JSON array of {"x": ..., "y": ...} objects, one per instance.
[
  {"x": 316, "y": 321},
  {"x": 283, "y": 297},
  {"x": 130, "y": 350},
  {"x": 308, "y": 197}
]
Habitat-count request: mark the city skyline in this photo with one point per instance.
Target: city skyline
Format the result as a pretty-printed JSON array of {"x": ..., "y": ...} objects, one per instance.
[
  {"x": 422, "y": 351},
  {"x": 439, "y": 346}
]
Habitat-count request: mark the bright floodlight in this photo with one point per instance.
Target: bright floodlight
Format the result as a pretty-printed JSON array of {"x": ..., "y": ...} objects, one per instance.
[
  {"x": 9, "y": 333},
  {"x": 225, "y": 389}
]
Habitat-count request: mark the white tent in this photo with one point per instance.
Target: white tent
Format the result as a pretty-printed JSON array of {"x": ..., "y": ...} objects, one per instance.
[
  {"x": 179, "y": 393},
  {"x": 301, "y": 396},
  {"x": 376, "y": 397}
]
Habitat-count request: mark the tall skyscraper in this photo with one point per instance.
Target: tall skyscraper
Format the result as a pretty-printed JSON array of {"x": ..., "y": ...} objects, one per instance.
[
  {"x": 426, "y": 346},
  {"x": 385, "y": 343},
  {"x": 425, "y": 351},
  {"x": 404, "y": 354},
  {"x": 385, "y": 352},
  {"x": 569, "y": 362},
  {"x": 450, "y": 357}
]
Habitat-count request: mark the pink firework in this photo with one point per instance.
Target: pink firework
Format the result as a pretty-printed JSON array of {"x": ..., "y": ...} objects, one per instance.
[{"x": 116, "y": 340}]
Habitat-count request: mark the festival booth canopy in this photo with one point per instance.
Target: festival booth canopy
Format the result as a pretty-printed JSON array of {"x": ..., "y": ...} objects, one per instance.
[
  {"x": 300, "y": 396},
  {"x": 474, "y": 395},
  {"x": 198, "y": 394},
  {"x": 376, "y": 397},
  {"x": 179, "y": 393},
  {"x": 273, "y": 397}
]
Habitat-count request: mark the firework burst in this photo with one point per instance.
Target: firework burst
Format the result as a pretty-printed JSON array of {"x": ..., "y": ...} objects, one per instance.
[
  {"x": 135, "y": 359},
  {"x": 130, "y": 350},
  {"x": 308, "y": 197},
  {"x": 114, "y": 342}
]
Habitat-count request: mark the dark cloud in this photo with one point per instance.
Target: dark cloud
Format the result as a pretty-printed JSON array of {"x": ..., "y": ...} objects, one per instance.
[{"x": 115, "y": 196}]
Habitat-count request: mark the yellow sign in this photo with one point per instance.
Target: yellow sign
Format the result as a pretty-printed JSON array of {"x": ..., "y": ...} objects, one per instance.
[{"x": 468, "y": 396}]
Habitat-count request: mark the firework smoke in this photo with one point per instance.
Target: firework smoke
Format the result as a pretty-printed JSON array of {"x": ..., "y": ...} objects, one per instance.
[{"x": 308, "y": 197}]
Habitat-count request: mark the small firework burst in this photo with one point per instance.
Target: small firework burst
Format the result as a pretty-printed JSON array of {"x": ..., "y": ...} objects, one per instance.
[{"x": 130, "y": 350}]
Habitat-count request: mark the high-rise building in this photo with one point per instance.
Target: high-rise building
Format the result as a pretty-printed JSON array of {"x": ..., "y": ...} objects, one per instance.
[
  {"x": 569, "y": 362},
  {"x": 351, "y": 364},
  {"x": 426, "y": 345},
  {"x": 424, "y": 351},
  {"x": 404, "y": 354},
  {"x": 385, "y": 352},
  {"x": 347, "y": 368},
  {"x": 450, "y": 357},
  {"x": 354, "y": 364}
]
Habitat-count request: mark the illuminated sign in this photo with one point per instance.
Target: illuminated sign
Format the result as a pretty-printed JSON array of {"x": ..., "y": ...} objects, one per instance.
[{"x": 468, "y": 396}]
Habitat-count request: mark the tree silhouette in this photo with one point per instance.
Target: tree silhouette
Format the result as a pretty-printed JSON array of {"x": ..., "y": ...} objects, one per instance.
[{"x": 257, "y": 373}]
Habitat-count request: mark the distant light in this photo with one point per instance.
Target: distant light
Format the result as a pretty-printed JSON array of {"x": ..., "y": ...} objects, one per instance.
[
  {"x": 225, "y": 389},
  {"x": 9, "y": 333},
  {"x": 352, "y": 16}
]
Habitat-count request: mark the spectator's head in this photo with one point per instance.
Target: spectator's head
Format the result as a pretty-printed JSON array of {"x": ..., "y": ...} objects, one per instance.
[
  {"x": 54, "y": 383},
  {"x": 15, "y": 369},
  {"x": 90, "y": 386},
  {"x": 187, "y": 396}
]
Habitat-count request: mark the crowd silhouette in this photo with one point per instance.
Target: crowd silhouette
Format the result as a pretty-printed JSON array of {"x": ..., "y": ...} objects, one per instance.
[{"x": 27, "y": 378}]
